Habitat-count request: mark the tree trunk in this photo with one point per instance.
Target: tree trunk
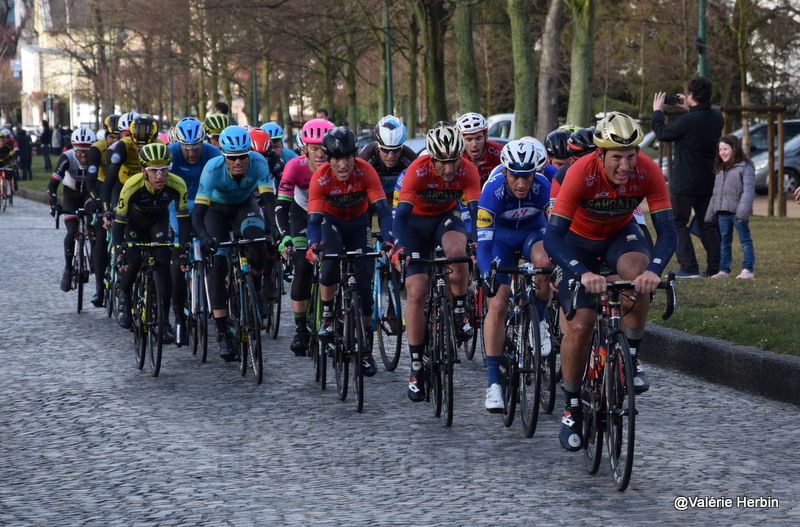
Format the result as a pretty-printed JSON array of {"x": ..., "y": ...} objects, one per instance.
[
  {"x": 524, "y": 77},
  {"x": 547, "y": 118},
  {"x": 412, "y": 116},
  {"x": 432, "y": 19},
  {"x": 266, "y": 102},
  {"x": 582, "y": 63},
  {"x": 350, "y": 87},
  {"x": 742, "y": 30},
  {"x": 468, "y": 85}
]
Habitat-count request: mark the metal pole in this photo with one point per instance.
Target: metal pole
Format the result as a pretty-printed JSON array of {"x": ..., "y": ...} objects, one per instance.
[
  {"x": 702, "y": 56},
  {"x": 388, "y": 48}
]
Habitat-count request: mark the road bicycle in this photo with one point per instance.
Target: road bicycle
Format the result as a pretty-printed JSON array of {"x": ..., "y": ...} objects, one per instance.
[
  {"x": 349, "y": 342},
  {"x": 477, "y": 306},
  {"x": 551, "y": 373},
  {"x": 244, "y": 317},
  {"x": 8, "y": 175},
  {"x": 149, "y": 314},
  {"x": 273, "y": 281},
  {"x": 197, "y": 310},
  {"x": 313, "y": 314},
  {"x": 440, "y": 355},
  {"x": 608, "y": 393},
  {"x": 81, "y": 252},
  {"x": 522, "y": 366},
  {"x": 387, "y": 311},
  {"x": 110, "y": 285}
]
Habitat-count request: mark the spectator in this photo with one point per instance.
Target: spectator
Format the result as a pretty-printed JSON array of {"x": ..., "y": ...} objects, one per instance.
[
  {"x": 45, "y": 141},
  {"x": 322, "y": 113},
  {"x": 797, "y": 195},
  {"x": 732, "y": 203},
  {"x": 221, "y": 107},
  {"x": 58, "y": 140},
  {"x": 25, "y": 153},
  {"x": 695, "y": 135},
  {"x": 66, "y": 138}
]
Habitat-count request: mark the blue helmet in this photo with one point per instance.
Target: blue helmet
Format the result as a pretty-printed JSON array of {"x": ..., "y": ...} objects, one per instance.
[
  {"x": 189, "y": 131},
  {"x": 234, "y": 139},
  {"x": 274, "y": 131}
]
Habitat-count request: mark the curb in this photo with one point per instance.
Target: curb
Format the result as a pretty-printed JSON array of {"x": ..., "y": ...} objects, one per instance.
[
  {"x": 740, "y": 367},
  {"x": 33, "y": 195}
]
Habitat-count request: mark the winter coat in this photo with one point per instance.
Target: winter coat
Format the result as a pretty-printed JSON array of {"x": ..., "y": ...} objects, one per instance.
[{"x": 734, "y": 191}]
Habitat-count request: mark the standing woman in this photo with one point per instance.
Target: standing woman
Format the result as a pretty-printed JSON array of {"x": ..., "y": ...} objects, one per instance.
[
  {"x": 732, "y": 202},
  {"x": 44, "y": 143}
]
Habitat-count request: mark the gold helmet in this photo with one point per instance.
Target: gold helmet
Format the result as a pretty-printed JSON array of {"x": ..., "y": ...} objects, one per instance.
[{"x": 617, "y": 130}]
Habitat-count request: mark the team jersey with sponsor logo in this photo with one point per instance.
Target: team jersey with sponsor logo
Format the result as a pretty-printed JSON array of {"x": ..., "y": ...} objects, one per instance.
[
  {"x": 430, "y": 195},
  {"x": 344, "y": 199},
  {"x": 499, "y": 208},
  {"x": 217, "y": 184}
]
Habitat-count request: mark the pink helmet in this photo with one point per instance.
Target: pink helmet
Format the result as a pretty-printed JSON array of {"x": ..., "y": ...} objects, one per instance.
[{"x": 313, "y": 130}]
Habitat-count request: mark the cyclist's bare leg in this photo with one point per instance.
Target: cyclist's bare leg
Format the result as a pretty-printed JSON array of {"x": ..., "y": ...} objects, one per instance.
[
  {"x": 416, "y": 291},
  {"x": 575, "y": 344},
  {"x": 629, "y": 267},
  {"x": 454, "y": 244}
]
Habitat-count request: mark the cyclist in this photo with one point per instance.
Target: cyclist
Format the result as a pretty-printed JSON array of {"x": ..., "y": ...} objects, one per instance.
[
  {"x": 189, "y": 155},
  {"x": 580, "y": 143},
  {"x": 98, "y": 165},
  {"x": 388, "y": 155},
  {"x": 340, "y": 193},
  {"x": 484, "y": 153},
  {"x": 558, "y": 152},
  {"x": 276, "y": 133},
  {"x": 225, "y": 203},
  {"x": 510, "y": 219},
  {"x": 427, "y": 215},
  {"x": 214, "y": 124},
  {"x": 72, "y": 171},
  {"x": 8, "y": 156},
  {"x": 143, "y": 216},
  {"x": 261, "y": 143},
  {"x": 291, "y": 219},
  {"x": 591, "y": 225}
]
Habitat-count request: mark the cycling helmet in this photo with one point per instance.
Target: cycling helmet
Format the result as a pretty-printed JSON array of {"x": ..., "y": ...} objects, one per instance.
[
  {"x": 189, "y": 131},
  {"x": 519, "y": 158},
  {"x": 339, "y": 142},
  {"x": 143, "y": 129},
  {"x": 234, "y": 139},
  {"x": 444, "y": 143},
  {"x": 298, "y": 141},
  {"x": 262, "y": 142},
  {"x": 215, "y": 123},
  {"x": 471, "y": 123},
  {"x": 617, "y": 130},
  {"x": 569, "y": 128},
  {"x": 274, "y": 131},
  {"x": 556, "y": 144},
  {"x": 111, "y": 124},
  {"x": 581, "y": 142},
  {"x": 82, "y": 138},
  {"x": 540, "y": 149},
  {"x": 390, "y": 132},
  {"x": 155, "y": 154},
  {"x": 313, "y": 131},
  {"x": 125, "y": 121},
  {"x": 172, "y": 135}
]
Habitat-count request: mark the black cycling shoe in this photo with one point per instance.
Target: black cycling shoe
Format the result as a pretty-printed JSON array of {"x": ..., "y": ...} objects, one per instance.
[
  {"x": 368, "y": 365},
  {"x": 168, "y": 334},
  {"x": 124, "y": 317},
  {"x": 571, "y": 434},
  {"x": 416, "y": 386},
  {"x": 227, "y": 349},
  {"x": 326, "y": 328},
  {"x": 66, "y": 281},
  {"x": 300, "y": 343},
  {"x": 464, "y": 330},
  {"x": 640, "y": 381},
  {"x": 98, "y": 297}
]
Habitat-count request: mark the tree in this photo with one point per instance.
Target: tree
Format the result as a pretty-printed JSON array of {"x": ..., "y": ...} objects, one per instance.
[
  {"x": 432, "y": 16},
  {"x": 582, "y": 61},
  {"x": 547, "y": 118},
  {"x": 468, "y": 85},
  {"x": 524, "y": 77}
]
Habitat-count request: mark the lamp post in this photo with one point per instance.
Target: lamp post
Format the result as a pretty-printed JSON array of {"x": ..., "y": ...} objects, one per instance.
[{"x": 388, "y": 51}]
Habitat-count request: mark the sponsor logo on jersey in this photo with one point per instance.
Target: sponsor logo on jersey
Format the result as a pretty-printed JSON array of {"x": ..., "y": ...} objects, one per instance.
[{"x": 485, "y": 219}]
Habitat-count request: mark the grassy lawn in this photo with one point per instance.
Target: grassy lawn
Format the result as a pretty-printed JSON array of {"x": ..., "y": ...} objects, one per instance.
[{"x": 764, "y": 312}]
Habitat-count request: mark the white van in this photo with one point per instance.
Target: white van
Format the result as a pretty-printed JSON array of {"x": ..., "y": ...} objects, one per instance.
[{"x": 502, "y": 125}]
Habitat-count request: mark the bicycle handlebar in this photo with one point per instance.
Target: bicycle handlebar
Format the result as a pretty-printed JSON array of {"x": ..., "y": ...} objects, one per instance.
[
  {"x": 241, "y": 241},
  {"x": 80, "y": 212},
  {"x": 667, "y": 284},
  {"x": 351, "y": 254}
]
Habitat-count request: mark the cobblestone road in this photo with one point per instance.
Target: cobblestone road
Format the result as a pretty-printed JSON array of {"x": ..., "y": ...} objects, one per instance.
[{"x": 87, "y": 439}]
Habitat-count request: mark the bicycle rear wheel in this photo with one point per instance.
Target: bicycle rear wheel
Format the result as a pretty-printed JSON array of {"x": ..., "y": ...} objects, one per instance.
[
  {"x": 389, "y": 323},
  {"x": 154, "y": 321},
  {"x": 78, "y": 268},
  {"x": 549, "y": 363},
  {"x": 274, "y": 305},
  {"x": 251, "y": 326},
  {"x": 341, "y": 364},
  {"x": 593, "y": 411},
  {"x": 443, "y": 362},
  {"x": 356, "y": 346},
  {"x": 138, "y": 323},
  {"x": 621, "y": 412},
  {"x": 202, "y": 312},
  {"x": 317, "y": 352},
  {"x": 234, "y": 320},
  {"x": 513, "y": 347},
  {"x": 531, "y": 373},
  {"x": 110, "y": 285}
]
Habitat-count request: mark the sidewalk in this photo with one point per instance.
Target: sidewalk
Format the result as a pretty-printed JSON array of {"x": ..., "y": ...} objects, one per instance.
[{"x": 760, "y": 207}]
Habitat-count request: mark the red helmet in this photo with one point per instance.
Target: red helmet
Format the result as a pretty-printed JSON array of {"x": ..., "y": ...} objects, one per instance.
[{"x": 262, "y": 142}]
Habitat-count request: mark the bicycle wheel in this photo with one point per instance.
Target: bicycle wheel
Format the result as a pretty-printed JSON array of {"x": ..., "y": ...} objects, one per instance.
[
  {"x": 530, "y": 375},
  {"x": 189, "y": 311},
  {"x": 138, "y": 327},
  {"x": 78, "y": 268},
  {"x": 317, "y": 353},
  {"x": 234, "y": 322},
  {"x": 202, "y": 312},
  {"x": 621, "y": 410},
  {"x": 509, "y": 367},
  {"x": 591, "y": 399},
  {"x": 442, "y": 362},
  {"x": 154, "y": 320},
  {"x": 274, "y": 305},
  {"x": 251, "y": 324},
  {"x": 389, "y": 323},
  {"x": 356, "y": 346},
  {"x": 110, "y": 286},
  {"x": 549, "y": 363},
  {"x": 341, "y": 366}
]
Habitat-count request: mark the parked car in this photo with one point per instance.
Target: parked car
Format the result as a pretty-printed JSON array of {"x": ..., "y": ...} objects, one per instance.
[
  {"x": 417, "y": 144},
  {"x": 791, "y": 166},
  {"x": 501, "y": 125}
]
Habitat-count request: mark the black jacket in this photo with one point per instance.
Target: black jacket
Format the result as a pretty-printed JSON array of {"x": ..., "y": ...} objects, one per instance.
[{"x": 695, "y": 135}]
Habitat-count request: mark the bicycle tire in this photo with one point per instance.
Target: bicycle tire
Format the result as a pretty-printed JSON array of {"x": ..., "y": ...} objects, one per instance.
[
  {"x": 477, "y": 312},
  {"x": 252, "y": 329},
  {"x": 389, "y": 323},
  {"x": 203, "y": 314},
  {"x": 513, "y": 349},
  {"x": 274, "y": 306},
  {"x": 190, "y": 312},
  {"x": 448, "y": 358},
  {"x": 234, "y": 324},
  {"x": 138, "y": 328},
  {"x": 78, "y": 269},
  {"x": 110, "y": 297},
  {"x": 315, "y": 351},
  {"x": 593, "y": 410},
  {"x": 432, "y": 361},
  {"x": 621, "y": 410},
  {"x": 531, "y": 373},
  {"x": 154, "y": 321},
  {"x": 341, "y": 366},
  {"x": 356, "y": 348}
]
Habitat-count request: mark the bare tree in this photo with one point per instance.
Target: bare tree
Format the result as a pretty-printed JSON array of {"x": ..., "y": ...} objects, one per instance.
[{"x": 547, "y": 118}]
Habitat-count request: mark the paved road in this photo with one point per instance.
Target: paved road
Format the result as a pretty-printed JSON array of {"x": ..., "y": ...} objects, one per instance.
[{"x": 85, "y": 438}]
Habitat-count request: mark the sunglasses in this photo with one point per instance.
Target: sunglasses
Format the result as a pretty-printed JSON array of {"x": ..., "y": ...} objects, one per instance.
[
  {"x": 158, "y": 170},
  {"x": 194, "y": 146},
  {"x": 237, "y": 157},
  {"x": 395, "y": 150}
]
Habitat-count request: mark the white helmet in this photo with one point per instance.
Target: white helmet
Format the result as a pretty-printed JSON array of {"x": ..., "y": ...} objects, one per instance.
[
  {"x": 520, "y": 158},
  {"x": 540, "y": 150},
  {"x": 126, "y": 119},
  {"x": 444, "y": 142},
  {"x": 390, "y": 132},
  {"x": 83, "y": 137},
  {"x": 471, "y": 123}
]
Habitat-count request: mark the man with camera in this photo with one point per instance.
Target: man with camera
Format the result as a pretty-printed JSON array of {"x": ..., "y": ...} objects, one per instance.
[{"x": 691, "y": 185}]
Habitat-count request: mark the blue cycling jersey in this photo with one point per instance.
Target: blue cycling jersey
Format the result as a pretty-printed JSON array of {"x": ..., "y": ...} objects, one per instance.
[
  {"x": 217, "y": 184},
  {"x": 502, "y": 216},
  {"x": 288, "y": 154},
  {"x": 549, "y": 171},
  {"x": 190, "y": 174}
]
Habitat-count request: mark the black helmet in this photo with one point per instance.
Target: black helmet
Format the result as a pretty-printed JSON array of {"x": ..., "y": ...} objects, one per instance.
[
  {"x": 581, "y": 142},
  {"x": 339, "y": 142},
  {"x": 556, "y": 144}
]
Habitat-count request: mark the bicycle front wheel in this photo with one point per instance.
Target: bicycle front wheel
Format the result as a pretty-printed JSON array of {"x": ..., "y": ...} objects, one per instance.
[
  {"x": 593, "y": 408},
  {"x": 341, "y": 364},
  {"x": 445, "y": 362},
  {"x": 154, "y": 320},
  {"x": 79, "y": 268},
  {"x": 356, "y": 347},
  {"x": 530, "y": 376},
  {"x": 389, "y": 323},
  {"x": 251, "y": 326},
  {"x": 274, "y": 304},
  {"x": 621, "y": 410},
  {"x": 138, "y": 323},
  {"x": 510, "y": 366}
]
